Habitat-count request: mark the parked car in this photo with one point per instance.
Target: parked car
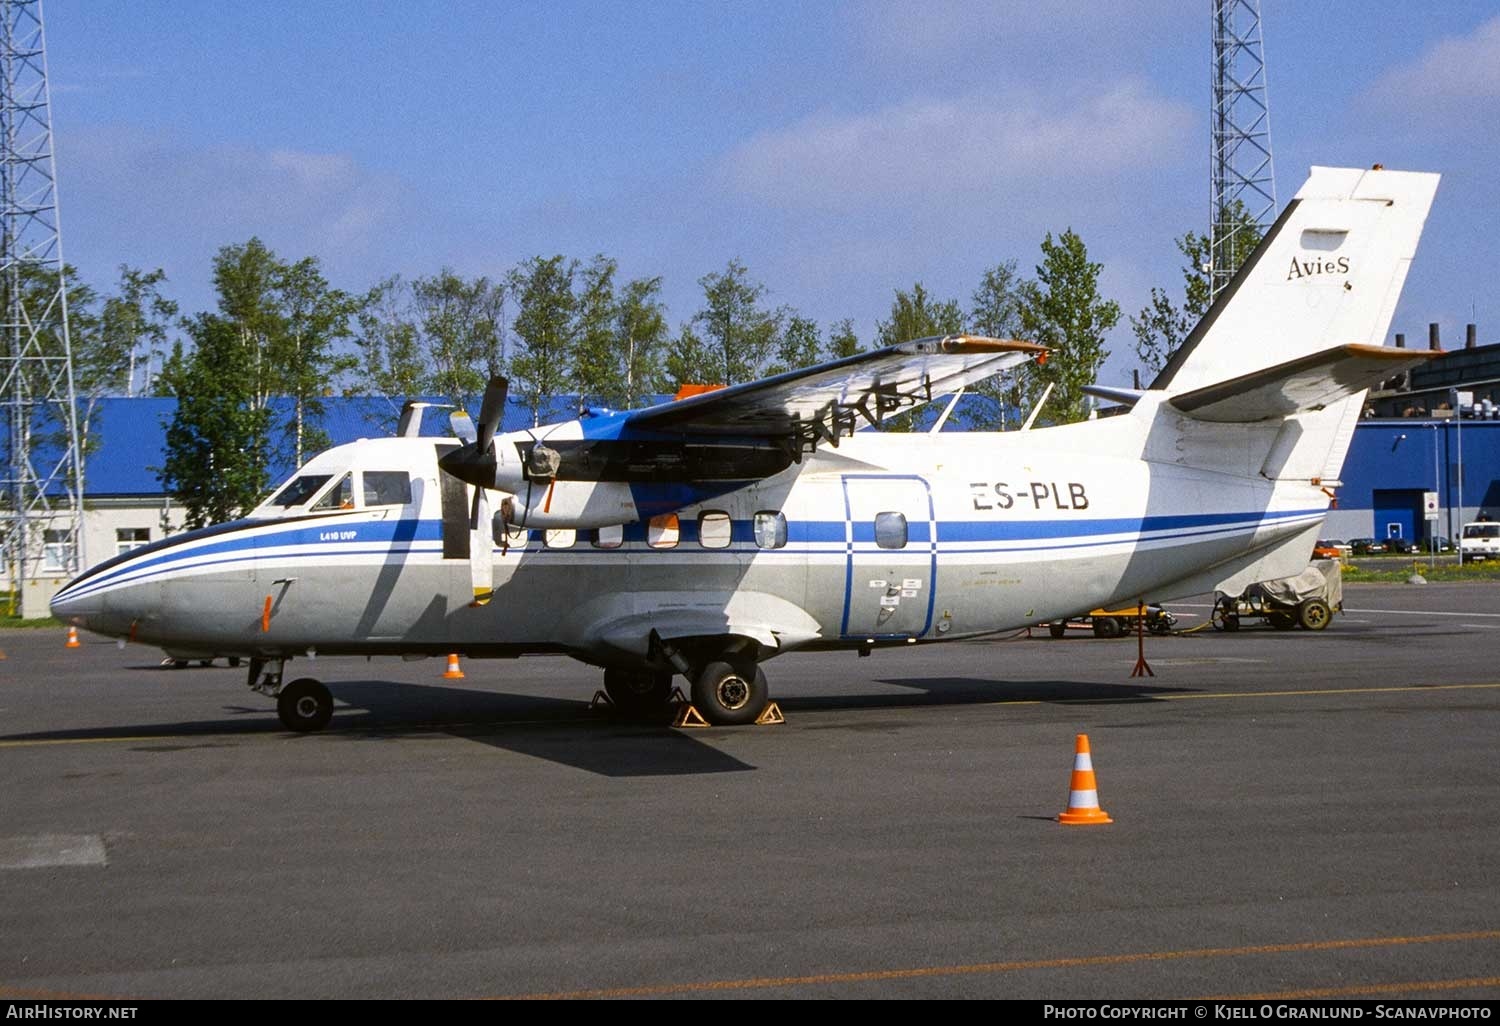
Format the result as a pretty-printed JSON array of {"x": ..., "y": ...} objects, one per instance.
[
  {"x": 1367, "y": 546},
  {"x": 1437, "y": 543},
  {"x": 1405, "y": 546},
  {"x": 1481, "y": 541},
  {"x": 1323, "y": 549}
]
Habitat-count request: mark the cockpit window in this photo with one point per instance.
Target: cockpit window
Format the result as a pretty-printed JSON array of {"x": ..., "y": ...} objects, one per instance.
[
  {"x": 387, "y": 488},
  {"x": 340, "y": 496},
  {"x": 300, "y": 490}
]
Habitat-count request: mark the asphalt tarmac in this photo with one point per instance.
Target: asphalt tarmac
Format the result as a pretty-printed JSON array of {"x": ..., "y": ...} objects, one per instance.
[{"x": 1295, "y": 814}]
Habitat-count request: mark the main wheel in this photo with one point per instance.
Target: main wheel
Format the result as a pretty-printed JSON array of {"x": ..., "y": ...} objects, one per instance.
[
  {"x": 1108, "y": 627},
  {"x": 304, "y": 705},
  {"x": 1314, "y": 614},
  {"x": 727, "y": 697},
  {"x": 638, "y": 692}
]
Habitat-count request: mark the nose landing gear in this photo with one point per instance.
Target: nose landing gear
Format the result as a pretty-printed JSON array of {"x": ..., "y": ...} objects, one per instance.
[{"x": 304, "y": 705}]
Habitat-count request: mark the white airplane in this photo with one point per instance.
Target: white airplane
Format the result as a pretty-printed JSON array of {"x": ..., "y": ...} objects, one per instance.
[{"x": 707, "y": 535}]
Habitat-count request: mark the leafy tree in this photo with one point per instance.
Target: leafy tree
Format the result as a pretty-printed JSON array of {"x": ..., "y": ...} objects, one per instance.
[
  {"x": 459, "y": 328},
  {"x": 842, "y": 341},
  {"x": 739, "y": 332},
  {"x": 216, "y": 441},
  {"x": 545, "y": 330},
  {"x": 691, "y": 362},
  {"x": 640, "y": 333},
  {"x": 313, "y": 318},
  {"x": 996, "y": 313},
  {"x": 915, "y": 315},
  {"x": 392, "y": 362},
  {"x": 597, "y": 371},
  {"x": 798, "y": 344},
  {"x": 1162, "y": 326},
  {"x": 1062, "y": 309},
  {"x": 134, "y": 324}
]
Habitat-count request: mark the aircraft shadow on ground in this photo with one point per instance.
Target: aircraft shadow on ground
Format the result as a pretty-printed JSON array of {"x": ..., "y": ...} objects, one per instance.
[{"x": 563, "y": 730}]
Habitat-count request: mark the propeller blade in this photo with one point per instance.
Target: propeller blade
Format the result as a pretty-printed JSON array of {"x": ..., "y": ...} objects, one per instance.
[
  {"x": 463, "y": 426},
  {"x": 492, "y": 410},
  {"x": 481, "y": 559}
]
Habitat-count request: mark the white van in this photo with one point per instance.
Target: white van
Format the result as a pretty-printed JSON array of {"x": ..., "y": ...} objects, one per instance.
[{"x": 1481, "y": 540}]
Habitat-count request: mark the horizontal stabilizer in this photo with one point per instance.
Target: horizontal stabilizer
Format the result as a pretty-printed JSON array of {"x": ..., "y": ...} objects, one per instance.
[
  {"x": 1298, "y": 386},
  {"x": 1124, "y": 396}
]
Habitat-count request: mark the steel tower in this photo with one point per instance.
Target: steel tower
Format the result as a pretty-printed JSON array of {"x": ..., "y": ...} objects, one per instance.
[
  {"x": 42, "y": 490},
  {"x": 1243, "y": 186}
]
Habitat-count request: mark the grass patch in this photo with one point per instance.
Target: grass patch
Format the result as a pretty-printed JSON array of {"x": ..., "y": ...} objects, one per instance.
[{"x": 1399, "y": 570}]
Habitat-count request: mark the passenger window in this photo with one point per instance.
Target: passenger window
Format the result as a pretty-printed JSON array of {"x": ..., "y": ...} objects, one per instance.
[
  {"x": 611, "y": 537},
  {"x": 770, "y": 530},
  {"x": 340, "y": 496},
  {"x": 561, "y": 539},
  {"x": 387, "y": 487},
  {"x": 890, "y": 530},
  {"x": 715, "y": 530},
  {"x": 662, "y": 531}
]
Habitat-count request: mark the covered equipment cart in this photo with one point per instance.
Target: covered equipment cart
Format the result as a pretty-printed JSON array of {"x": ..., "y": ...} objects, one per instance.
[{"x": 1308, "y": 600}]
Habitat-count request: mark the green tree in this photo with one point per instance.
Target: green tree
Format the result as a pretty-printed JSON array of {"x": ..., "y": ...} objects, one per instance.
[
  {"x": 640, "y": 334},
  {"x": 842, "y": 341},
  {"x": 459, "y": 328},
  {"x": 133, "y": 330},
  {"x": 545, "y": 330},
  {"x": 915, "y": 315},
  {"x": 218, "y": 435},
  {"x": 597, "y": 372},
  {"x": 739, "y": 332},
  {"x": 1162, "y": 326},
  {"x": 313, "y": 319},
  {"x": 392, "y": 362},
  {"x": 690, "y": 361},
  {"x": 996, "y": 313},
  {"x": 798, "y": 344},
  {"x": 1062, "y": 309}
]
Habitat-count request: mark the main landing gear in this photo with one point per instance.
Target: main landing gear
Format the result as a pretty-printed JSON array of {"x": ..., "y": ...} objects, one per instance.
[
  {"x": 304, "y": 705},
  {"x": 728, "y": 686}
]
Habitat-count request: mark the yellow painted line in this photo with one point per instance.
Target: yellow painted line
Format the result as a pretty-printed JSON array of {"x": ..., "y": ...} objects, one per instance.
[
  {"x": 1418, "y": 987},
  {"x": 456, "y": 728},
  {"x": 878, "y": 975}
]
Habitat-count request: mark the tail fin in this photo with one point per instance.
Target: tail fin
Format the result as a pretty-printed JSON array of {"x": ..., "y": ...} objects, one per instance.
[{"x": 1327, "y": 274}]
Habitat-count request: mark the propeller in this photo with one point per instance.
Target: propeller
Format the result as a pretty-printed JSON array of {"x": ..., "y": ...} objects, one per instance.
[{"x": 474, "y": 464}]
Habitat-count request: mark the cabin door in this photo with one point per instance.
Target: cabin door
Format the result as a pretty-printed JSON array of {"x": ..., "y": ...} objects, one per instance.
[{"x": 891, "y": 540}]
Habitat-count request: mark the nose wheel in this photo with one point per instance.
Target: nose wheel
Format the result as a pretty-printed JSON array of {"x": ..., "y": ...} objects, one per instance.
[{"x": 304, "y": 705}]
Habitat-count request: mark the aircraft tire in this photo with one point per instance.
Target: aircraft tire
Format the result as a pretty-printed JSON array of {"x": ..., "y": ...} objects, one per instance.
[
  {"x": 1314, "y": 614},
  {"x": 638, "y": 692},
  {"x": 727, "y": 697},
  {"x": 304, "y": 706}
]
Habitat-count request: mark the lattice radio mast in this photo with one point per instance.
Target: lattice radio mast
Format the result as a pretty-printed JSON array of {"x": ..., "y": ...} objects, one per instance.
[
  {"x": 42, "y": 491},
  {"x": 1243, "y": 186}
]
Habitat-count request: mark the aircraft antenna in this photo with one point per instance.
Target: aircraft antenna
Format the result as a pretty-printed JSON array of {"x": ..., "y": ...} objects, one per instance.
[
  {"x": 1243, "y": 181},
  {"x": 42, "y": 490}
]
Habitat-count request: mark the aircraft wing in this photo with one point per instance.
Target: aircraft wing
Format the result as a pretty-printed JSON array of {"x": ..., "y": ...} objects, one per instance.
[
  {"x": 827, "y": 400},
  {"x": 1307, "y": 383}
]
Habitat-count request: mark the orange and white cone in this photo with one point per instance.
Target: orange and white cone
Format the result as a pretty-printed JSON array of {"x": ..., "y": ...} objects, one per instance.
[
  {"x": 1083, "y": 795},
  {"x": 453, "y": 672},
  {"x": 73, "y": 638}
]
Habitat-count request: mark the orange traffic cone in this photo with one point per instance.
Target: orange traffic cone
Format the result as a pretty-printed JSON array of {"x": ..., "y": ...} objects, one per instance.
[
  {"x": 1083, "y": 796},
  {"x": 453, "y": 672},
  {"x": 73, "y": 637}
]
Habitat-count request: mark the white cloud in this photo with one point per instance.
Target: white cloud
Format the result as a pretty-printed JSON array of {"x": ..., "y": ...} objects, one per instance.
[
  {"x": 1452, "y": 74},
  {"x": 933, "y": 149}
]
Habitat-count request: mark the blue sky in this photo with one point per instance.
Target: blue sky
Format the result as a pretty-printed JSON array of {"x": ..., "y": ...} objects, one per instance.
[{"x": 840, "y": 150}]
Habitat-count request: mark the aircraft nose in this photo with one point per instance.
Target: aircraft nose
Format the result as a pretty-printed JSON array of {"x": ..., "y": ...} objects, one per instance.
[{"x": 78, "y": 610}]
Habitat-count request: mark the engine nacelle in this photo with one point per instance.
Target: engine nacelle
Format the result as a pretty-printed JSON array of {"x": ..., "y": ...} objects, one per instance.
[{"x": 576, "y": 504}]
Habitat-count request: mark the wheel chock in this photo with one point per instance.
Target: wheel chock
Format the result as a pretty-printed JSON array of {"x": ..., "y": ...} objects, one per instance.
[
  {"x": 689, "y": 716},
  {"x": 600, "y": 700},
  {"x": 770, "y": 716}
]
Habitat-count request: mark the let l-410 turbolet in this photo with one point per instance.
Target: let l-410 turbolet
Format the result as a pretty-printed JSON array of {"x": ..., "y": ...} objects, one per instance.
[{"x": 705, "y": 536}]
